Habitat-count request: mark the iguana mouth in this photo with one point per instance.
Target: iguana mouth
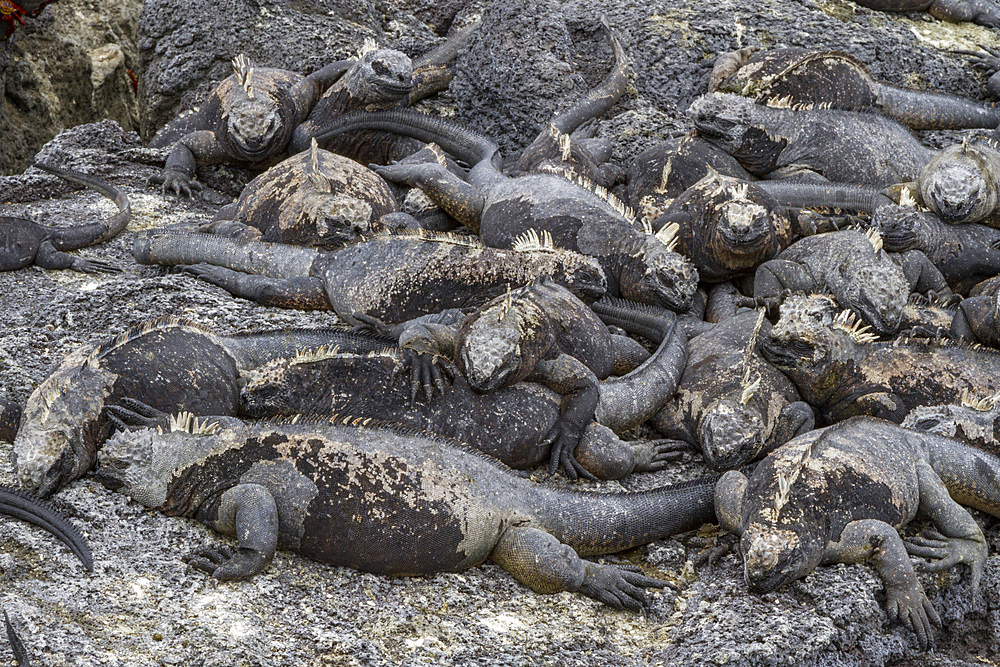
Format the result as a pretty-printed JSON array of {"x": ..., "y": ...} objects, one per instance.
[{"x": 395, "y": 87}]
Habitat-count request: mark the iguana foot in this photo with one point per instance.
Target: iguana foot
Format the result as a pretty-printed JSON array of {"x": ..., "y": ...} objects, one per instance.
[
  {"x": 404, "y": 174},
  {"x": 93, "y": 266},
  {"x": 987, "y": 60},
  {"x": 176, "y": 181},
  {"x": 227, "y": 563},
  {"x": 713, "y": 548},
  {"x": 216, "y": 275},
  {"x": 617, "y": 587},
  {"x": 653, "y": 455},
  {"x": 372, "y": 325},
  {"x": 914, "y": 610},
  {"x": 132, "y": 413},
  {"x": 430, "y": 371},
  {"x": 564, "y": 438},
  {"x": 948, "y": 552}
]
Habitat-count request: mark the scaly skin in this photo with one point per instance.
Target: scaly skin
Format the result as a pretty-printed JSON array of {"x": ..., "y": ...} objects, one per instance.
[
  {"x": 23, "y": 242},
  {"x": 392, "y": 501},
  {"x": 169, "y": 364},
  {"x": 982, "y": 12},
  {"x": 977, "y": 320},
  {"x": 840, "y": 494},
  {"x": 810, "y": 144},
  {"x": 833, "y": 79},
  {"x": 962, "y": 184},
  {"x": 316, "y": 199},
  {"x": 577, "y": 215},
  {"x": 732, "y": 405},
  {"x": 391, "y": 277},
  {"x": 33, "y": 510},
  {"x": 972, "y": 422},
  {"x": 841, "y": 372}
]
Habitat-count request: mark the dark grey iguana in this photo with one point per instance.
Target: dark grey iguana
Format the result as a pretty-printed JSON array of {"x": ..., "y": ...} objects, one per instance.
[
  {"x": 982, "y": 12},
  {"x": 566, "y": 142},
  {"x": 840, "y": 495},
  {"x": 393, "y": 277},
  {"x": 854, "y": 268},
  {"x": 961, "y": 184},
  {"x": 988, "y": 60},
  {"x": 963, "y": 253},
  {"x": 732, "y": 405},
  {"x": 836, "y": 80},
  {"x": 390, "y": 500},
  {"x": 578, "y": 215},
  {"x": 33, "y": 510},
  {"x": 842, "y": 370},
  {"x": 810, "y": 144},
  {"x": 972, "y": 421},
  {"x": 316, "y": 198},
  {"x": 16, "y": 645},
  {"x": 24, "y": 242},
  {"x": 977, "y": 320},
  {"x": 167, "y": 363},
  {"x": 541, "y": 333}
]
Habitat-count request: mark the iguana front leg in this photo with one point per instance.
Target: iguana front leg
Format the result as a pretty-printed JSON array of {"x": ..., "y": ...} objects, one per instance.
[
  {"x": 958, "y": 538},
  {"x": 199, "y": 147},
  {"x": 545, "y": 565},
  {"x": 729, "y": 493},
  {"x": 460, "y": 200},
  {"x": 48, "y": 257},
  {"x": 923, "y": 276},
  {"x": 307, "y": 92},
  {"x": 249, "y": 512},
  {"x": 570, "y": 377},
  {"x": 904, "y": 596},
  {"x": 428, "y": 346},
  {"x": 302, "y": 293}
]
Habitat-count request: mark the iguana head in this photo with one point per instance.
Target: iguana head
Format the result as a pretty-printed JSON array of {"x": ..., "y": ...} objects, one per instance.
[
  {"x": 63, "y": 424},
  {"x": 254, "y": 126},
  {"x": 774, "y": 555},
  {"x": 901, "y": 227},
  {"x": 730, "y": 433},
  {"x": 810, "y": 333},
  {"x": 385, "y": 76},
  {"x": 728, "y": 121},
  {"x": 495, "y": 346},
  {"x": 956, "y": 186},
  {"x": 653, "y": 274},
  {"x": 338, "y": 218},
  {"x": 877, "y": 292}
]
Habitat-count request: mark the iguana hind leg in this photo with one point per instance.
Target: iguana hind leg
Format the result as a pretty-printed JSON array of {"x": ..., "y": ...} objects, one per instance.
[
  {"x": 249, "y": 512},
  {"x": 981, "y": 12},
  {"x": 545, "y": 565},
  {"x": 460, "y": 200}
]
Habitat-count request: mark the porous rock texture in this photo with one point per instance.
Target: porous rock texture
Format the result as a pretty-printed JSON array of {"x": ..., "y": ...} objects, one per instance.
[{"x": 141, "y": 606}]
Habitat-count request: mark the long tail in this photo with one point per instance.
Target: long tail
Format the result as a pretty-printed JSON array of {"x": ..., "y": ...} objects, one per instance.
[
  {"x": 73, "y": 238},
  {"x": 627, "y": 401},
  {"x": 460, "y": 142},
  {"x": 274, "y": 260},
  {"x": 976, "y": 481},
  {"x": 16, "y": 645},
  {"x": 600, "y": 523},
  {"x": 813, "y": 195},
  {"x": 923, "y": 110},
  {"x": 22, "y": 506},
  {"x": 604, "y": 96}
]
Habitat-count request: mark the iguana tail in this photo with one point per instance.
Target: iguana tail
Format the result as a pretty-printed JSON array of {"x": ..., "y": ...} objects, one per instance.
[
  {"x": 274, "y": 260},
  {"x": 600, "y": 523},
  {"x": 463, "y": 144},
  {"x": 16, "y": 645},
  {"x": 627, "y": 401},
  {"x": 74, "y": 238},
  {"x": 972, "y": 475},
  {"x": 923, "y": 110},
  {"x": 604, "y": 96},
  {"x": 815, "y": 195},
  {"x": 20, "y": 505}
]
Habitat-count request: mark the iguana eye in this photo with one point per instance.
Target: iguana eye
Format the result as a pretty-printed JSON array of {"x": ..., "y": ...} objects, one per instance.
[{"x": 379, "y": 68}]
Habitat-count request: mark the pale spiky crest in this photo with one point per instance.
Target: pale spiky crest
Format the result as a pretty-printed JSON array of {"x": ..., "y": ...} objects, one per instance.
[
  {"x": 785, "y": 102},
  {"x": 665, "y": 174},
  {"x": 165, "y": 322},
  {"x": 506, "y": 305},
  {"x": 315, "y": 354},
  {"x": 874, "y": 237},
  {"x": 906, "y": 198},
  {"x": 739, "y": 192},
  {"x": 187, "y": 422},
  {"x": 565, "y": 147},
  {"x": 750, "y": 388},
  {"x": 319, "y": 182},
  {"x": 433, "y": 237},
  {"x": 243, "y": 70},
  {"x": 532, "y": 240},
  {"x": 785, "y": 481},
  {"x": 668, "y": 235},
  {"x": 439, "y": 154},
  {"x": 848, "y": 322},
  {"x": 599, "y": 191},
  {"x": 367, "y": 47},
  {"x": 987, "y": 404}
]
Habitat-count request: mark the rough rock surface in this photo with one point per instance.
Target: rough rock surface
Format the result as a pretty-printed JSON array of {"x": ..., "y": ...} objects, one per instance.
[
  {"x": 141, "y": 606},
  {"x": 66, "y": 67}
]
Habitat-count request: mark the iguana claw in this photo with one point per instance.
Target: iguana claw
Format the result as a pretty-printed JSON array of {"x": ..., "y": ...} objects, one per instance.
[
  {"x": 177, "y": 181},
  {"x": 618, "y": 588}
]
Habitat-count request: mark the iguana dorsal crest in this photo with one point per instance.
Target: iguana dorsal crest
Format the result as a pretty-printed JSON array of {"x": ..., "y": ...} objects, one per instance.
[
  {"x": 985, "y": 404},
  {"x": 668, "y": 235},
  {"x": 848, "y": 322},
  {"x": 875, "y": 238},
  {"x": 532, "y": 240},
  {"x": 599, "y": 191},
  {"x": 319, "y": 182},
  {"x": 186, "y": 422},
  {"x": 367, "y": 47},
  {"x": 243, "y": 71}
]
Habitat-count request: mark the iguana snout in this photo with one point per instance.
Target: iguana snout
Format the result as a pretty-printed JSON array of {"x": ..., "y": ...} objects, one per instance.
[
  {"x": 253, "y": 124},
  {"x": 387, "y": 74},
  {"x": 772, "y": 557},
  {"x": 954, "y": 191}
]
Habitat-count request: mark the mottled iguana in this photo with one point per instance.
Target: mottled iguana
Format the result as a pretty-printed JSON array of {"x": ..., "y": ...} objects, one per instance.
[
  {"x": 840, "y": 494},
  {"x": 390, "y": 500},
  {"x": 24, "y": 242}
]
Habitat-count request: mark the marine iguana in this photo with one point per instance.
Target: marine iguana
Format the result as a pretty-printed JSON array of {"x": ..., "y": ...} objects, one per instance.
[
  {"x": 836, "y": 80},
  {"x": 382, "y": 79},
  {"x": 169, "y": 363},
  {"x": 961, "y": 183},
  {"x": 840, "y": 494},
  {"x": 977, "y": 320},
  {"x": 540, "y": 332},
  {"x": 988, "y": 60},
  {"x": 578, "y": 215},
  {"x": 842, "y": 370},
  {"x": 16, "y": 645},
  {"x": 810, "y": 144},
  {"x": 316, "y": 198},
  {"x": 390, "y": 500},
  {"x": 963, "y": 253},
  {"x": 393, "y": 276},
  {"x": 972, "y": 421},
  {"x": 727, "y": 227},
  {"x": 981, "y": 12},
  {"x": 853, "y": 267},
  {"x": 567, "y": 142},
  {"x": 24, "y": 242},
  {"x": 732, "y": 405},
  {"x": 22, "y": 506}
]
